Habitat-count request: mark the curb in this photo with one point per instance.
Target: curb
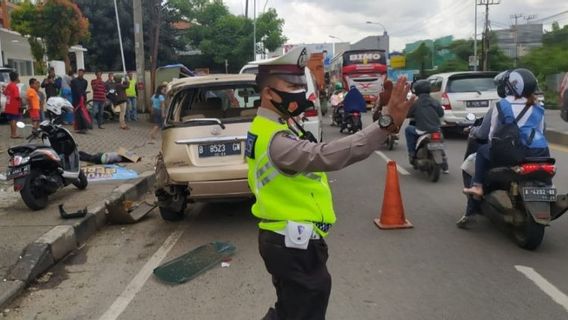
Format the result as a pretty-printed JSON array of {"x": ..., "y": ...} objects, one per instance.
[
  {"x": 58, "y": 242},
  {"x": 557, "y": 137}
]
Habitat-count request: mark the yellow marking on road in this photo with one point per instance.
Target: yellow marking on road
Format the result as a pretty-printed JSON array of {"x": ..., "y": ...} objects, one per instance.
[{"x": 558, "y": 147}]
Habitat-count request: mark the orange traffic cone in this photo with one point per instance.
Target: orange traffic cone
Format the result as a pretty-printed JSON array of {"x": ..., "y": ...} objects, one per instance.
[{"x": 392, "y": 213}]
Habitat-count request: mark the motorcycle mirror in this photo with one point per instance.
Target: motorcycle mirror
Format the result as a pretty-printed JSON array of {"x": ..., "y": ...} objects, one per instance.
[
  {"x": 20, "y": 124},
  {"x": 470, "y": 117}
]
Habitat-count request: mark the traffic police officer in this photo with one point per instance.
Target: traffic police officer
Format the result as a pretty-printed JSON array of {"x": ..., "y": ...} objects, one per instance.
[{"x": 293, "y": 197}]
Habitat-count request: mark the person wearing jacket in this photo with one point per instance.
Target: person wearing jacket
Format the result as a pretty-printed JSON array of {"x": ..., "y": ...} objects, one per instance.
[
  {"x": 519, "y": 101},
  {"x": 121, "y": 99},
  {"x": 426, "y": 113}
]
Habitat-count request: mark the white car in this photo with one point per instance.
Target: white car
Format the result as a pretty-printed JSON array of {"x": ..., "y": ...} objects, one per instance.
[{"x": 461, "y": 93}]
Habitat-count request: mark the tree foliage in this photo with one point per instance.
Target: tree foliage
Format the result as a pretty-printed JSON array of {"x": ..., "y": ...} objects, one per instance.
[
  {"x": 59, "y": 23},
  {"x": 552, "y": 57},
  {"x": 463, "y": 49},
  {"x": 221, "y": 36},
  {"x": 420, "y": 58},
  {"x": 24, "y": 21},
  {"x": 104, "y": 47}
]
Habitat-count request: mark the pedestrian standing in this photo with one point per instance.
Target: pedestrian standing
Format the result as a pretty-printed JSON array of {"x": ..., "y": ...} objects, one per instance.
[
  {"x": 50, "y": 85},
  {"x": 13, "y": 108},
  {"x": 82, "y": 119},
  {"x": 158, "y": 111},
  {"x": 41, "y": 105},
  {"x": 66, "y": 86},
  {"x": 34, "y": 102},
  {"x": 131, "y": 94},
  {"x": 110, "y": 81},
  {"x": 121, "y": 99},
  {"x": 293, "y": 197},
  {"x": 99, "y": 97}
]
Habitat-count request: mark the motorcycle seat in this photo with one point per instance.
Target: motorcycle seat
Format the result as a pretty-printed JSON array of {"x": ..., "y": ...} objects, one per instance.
[{"x": 26, "y": 147}]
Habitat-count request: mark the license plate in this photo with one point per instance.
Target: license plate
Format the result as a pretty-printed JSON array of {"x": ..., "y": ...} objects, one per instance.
[
  {"x": 436, "y": 146},
  {"x": 477, "y": 104},
  {"x": 533, "y": 194},
  {"x": 219, "y": 149},
  {"x": 18, "y": 172}
]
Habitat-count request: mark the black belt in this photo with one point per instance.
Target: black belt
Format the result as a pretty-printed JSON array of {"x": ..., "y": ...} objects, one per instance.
[{"x": 320, "y": 225}]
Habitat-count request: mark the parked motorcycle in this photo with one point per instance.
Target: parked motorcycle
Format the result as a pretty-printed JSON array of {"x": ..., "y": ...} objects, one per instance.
[
  {"x": 39, "y": 170},
  {"x": 522, "y": 196},
  {"x": 430, "y": 155}
]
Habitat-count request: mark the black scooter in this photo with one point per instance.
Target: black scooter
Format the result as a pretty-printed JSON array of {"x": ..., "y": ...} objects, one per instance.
[
  {"x": 430, "y": 154},
  {"x": 520, "y": 196},
  {"x": 39, "y": 170}
]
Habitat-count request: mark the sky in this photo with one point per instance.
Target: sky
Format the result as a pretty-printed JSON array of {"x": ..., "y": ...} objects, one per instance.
[{"x": 314, "y": 21}]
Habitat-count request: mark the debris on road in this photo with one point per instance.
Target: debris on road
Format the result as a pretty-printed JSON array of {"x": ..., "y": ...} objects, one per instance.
[
  {"x": 195, "y": 262},
  {"x": 79, "y": 214},
  {"x": 128, "y": 211}
]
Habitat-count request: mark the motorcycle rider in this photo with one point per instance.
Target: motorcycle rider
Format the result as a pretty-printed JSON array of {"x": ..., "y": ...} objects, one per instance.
[
  {"x": 353, "y": 102},
  {"x": 427, "y": 113},
  {"x": 518, "y": 86}
]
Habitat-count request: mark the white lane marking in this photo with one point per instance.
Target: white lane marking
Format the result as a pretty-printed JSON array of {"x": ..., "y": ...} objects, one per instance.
[
  {"x": 543, "y": 284},
  {"x": 120, "y": 304},
  {"x": 400, "y": 169}
]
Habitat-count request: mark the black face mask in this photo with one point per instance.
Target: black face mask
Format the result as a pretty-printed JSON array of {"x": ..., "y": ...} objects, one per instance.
[{"x": 298, "y": 97}]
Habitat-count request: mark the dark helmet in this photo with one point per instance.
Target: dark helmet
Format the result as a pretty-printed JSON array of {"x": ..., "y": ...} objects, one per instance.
[
  {"x": 421, "y": 86},
  {"x": 518, "y": 82}
]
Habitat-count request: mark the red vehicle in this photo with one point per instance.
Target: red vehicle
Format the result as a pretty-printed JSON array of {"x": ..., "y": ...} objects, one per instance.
[{"x": 366, "y": 69}]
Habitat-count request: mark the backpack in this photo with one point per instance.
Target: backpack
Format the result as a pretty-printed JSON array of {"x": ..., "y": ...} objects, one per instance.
[{"x": 507, "y": 148}]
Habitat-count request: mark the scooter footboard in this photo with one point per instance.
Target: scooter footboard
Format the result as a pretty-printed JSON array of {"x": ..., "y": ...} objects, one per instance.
[{"x": 559, "y": 207}]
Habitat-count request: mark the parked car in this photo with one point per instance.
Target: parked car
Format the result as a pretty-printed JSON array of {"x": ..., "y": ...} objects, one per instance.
[
  {"x": 465, "y": 92},
  {"x": 249, "y": 68},
  {"x": 203, "y": 141}
]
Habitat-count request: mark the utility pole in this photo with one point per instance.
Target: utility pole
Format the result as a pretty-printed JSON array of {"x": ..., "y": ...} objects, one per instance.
[
  {"x": 254, "y": 30},
  {"x": 247, "y": 9},
  {"x": 485, "y": 42},
  {"x": 516, "y": 17},
  {"x": 476, "y": 63},
  {"x": 139, "y": 50}
]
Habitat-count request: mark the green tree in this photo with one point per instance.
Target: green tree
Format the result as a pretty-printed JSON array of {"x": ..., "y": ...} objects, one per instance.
[
  {"x": 221, "y": 36},
  {"x": 24, "y": 20},
  {"x": 103, "y": 46},
  {"x": 420, "y": 58}
]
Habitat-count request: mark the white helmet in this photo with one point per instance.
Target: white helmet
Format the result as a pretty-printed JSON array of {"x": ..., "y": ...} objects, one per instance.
[{"x": 57, "y": 105}]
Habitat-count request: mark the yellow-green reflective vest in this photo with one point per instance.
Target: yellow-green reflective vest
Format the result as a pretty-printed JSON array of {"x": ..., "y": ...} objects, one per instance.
[
  {"x": 131, "y": 90},
  {"x": 280, "y": 197}
]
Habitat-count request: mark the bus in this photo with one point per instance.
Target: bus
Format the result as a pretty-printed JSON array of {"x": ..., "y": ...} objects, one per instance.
[{"x": 366, "y": 69}]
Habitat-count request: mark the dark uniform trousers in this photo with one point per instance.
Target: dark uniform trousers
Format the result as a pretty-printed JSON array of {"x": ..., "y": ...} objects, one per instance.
[{"x": 301, "y": 279}]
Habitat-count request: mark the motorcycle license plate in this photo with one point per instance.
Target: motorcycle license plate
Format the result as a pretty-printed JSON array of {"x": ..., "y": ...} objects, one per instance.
[
  {"x": 436, "y": 146},
  {"x": 219, "y": 149},
  {"x": 18, "y": 172},
  {"x": 539, "y": 194}
]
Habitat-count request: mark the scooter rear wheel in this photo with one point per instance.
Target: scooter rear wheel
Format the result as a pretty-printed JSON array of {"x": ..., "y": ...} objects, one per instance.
[
  {"x": 528, "y": 234},
  {"x": 32, "y": 194},
  {"x": 434, "y": 172}
]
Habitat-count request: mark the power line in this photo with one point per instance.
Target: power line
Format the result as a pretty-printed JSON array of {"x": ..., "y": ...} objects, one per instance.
[{"x": 552, "y": 16}]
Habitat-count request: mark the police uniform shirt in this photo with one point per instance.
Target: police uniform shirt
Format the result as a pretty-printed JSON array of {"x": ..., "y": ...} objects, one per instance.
[{"x": 291, "y": 154}]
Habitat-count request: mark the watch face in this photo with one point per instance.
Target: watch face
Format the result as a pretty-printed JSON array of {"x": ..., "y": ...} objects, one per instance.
[{"x": 385, "y": 121}]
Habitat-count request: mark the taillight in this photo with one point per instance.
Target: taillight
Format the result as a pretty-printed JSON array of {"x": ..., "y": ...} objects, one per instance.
[
  {"x": 529, "y": 168},
  {"x": 446, "y": 102},
  {"x": 436, "y": 136},
  {"x": 311, "y": 113},
  {"x": 356, "y": 114}
]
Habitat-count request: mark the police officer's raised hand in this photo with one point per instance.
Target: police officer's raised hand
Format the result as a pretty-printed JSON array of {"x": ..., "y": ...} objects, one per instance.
[{"x": 398, "y": 105}]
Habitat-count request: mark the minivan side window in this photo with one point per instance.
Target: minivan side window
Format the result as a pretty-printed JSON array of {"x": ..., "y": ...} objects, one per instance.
[{"x": 436, "y": 84}]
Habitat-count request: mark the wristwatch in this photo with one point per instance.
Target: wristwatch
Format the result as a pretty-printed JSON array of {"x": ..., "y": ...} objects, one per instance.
[{"x": 386, "y": 122}]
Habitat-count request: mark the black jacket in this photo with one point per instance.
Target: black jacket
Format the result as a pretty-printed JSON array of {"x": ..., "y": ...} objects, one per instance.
[{"x": 426, "y": 113}]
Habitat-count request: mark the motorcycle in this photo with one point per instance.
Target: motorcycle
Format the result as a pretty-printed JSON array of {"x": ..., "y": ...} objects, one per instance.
[
  {"x": 351, "y": 122},
  {"x": 521, "y": 196},
  {"x": 109, "y": 111},
  {"x": 39, "y": 170},
  {"x": 336, "y": 101},
  {"x": 430, "y": 155}
]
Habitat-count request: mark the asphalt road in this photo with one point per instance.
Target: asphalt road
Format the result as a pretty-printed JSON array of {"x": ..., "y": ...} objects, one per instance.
[{"x": 434, "y": 271}]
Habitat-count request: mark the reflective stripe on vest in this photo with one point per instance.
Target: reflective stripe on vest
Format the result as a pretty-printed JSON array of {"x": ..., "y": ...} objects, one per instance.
[{"x": 280, "y": 197}]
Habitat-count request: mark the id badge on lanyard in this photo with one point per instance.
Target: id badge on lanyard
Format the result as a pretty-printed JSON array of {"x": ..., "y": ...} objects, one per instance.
[{"x": 297, "y": 235}]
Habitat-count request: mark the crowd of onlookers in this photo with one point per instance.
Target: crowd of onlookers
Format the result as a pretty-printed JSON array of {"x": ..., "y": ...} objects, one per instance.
[{"x": 116, "y": 92}]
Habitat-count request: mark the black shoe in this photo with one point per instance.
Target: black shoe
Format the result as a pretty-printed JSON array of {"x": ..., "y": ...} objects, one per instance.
[{"x": 465, "y": 221}]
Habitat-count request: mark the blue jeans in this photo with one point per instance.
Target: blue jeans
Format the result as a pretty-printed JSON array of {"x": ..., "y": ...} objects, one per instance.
[
  {"x": 411, "y": 139},
  {"x": 98, "y": 109},
  {"x": 132, "y": 113}
]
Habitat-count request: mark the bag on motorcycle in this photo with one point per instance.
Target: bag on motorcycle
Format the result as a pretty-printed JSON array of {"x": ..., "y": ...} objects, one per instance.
[{"x": 506, "y": 146}]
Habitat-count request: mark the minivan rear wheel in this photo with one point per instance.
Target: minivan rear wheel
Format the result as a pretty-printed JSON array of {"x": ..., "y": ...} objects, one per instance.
[{"x": 172, "y": 204}]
